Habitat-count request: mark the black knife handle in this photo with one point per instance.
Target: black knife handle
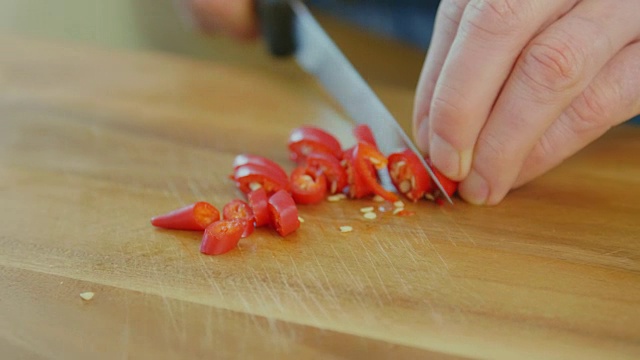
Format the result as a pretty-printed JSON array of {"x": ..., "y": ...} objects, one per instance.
[{"x": 276, "y": 22}]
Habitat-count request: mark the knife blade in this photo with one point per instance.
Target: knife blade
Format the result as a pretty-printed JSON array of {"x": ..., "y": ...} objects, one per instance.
[{"x": 291, "y": 29}]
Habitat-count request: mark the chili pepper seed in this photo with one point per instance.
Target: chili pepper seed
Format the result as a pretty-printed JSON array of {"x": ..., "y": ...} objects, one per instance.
[
  {"x": 370, "y": 215},
  {"x": 336, "y": 197},
  {"x": 87, "y": 295}
]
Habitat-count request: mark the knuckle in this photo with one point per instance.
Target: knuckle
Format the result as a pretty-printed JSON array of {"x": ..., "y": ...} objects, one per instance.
[
  {"x": 591, "y": 111},
  {"x": 594, "y": 103},
  {"x": 447, "y": 111},
  {"x": 492, "y": 150},
  {"x": 443, "y": 107},
  {"x": 544, "y": 148},
  {"x": 554, "y": 66},
  {"x": 491, "y": 18},
  {"x": 442, "y": 121}
]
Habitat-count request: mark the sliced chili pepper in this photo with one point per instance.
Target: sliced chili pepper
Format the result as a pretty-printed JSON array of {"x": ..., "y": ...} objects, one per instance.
[
  {"x": 308, "y": 139},
  {"x": 221, "y": 236},
  {"x": 283, "y": 213},
  {"x": 358, "y": 187},
  {"x": 308, "y": 186},
  {"x": 363, "y": 133},
  {"x": 330, "y": 166},
  {"x": 244, "y": 159},
  {"x": 258, "y": 202},
  {"x": 408, "y": 175},
  {"x": 448, "y": 185},
  {"x": 238, "y": 209},
  {"x": 196, "y": 216},
  {"x": 366, "y": 155},
  {"x": 250, "y": 177}
]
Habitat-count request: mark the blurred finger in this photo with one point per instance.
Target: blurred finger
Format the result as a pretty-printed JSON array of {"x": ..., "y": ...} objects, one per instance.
[
  {"x": 612, "y": 97},
  {"x": 236, "y": 18}
]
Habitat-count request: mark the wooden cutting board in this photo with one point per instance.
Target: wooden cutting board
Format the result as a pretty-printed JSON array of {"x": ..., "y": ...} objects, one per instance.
[{"x": 93, "y": 143}]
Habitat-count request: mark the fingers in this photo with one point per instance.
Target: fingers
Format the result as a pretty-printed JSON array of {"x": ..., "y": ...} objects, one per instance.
[
  {"x": 488, "y": 41},
  {"x": 236, "y": 18},
  {"x": 444, "y": 31},
  {"x": 553, "y": 69},
  {"x": 612, "y": 97}
]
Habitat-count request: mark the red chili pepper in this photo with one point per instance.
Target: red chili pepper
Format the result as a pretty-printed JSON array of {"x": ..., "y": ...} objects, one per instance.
[
  {"x": 244, "y": 159},
  {"x": 363, "y": 133},
  {"x": 308, "y": 139},
  {"x": 448, "y": 185},
  {"x": 283, "y": 213},
  {"x": 221, "y": 236},
  {"x": 258, "y": 201},
  {"x": 358, "y": 187},
  {"x": 408, "y": 175},
  {"x": 307, "y": 185},
  {"x": 331, "y": 168},
  {"x": 238, "y": 209},
  {"x": 196, "y": 216},
  {"x": 249, "y": 177},
  {"x": 366, "y": 155}
]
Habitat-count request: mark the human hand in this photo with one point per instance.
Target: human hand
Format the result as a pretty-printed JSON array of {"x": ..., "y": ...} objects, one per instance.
[
  {"x": 511, "y": 88},
  {"x": 236, "y": 18}
]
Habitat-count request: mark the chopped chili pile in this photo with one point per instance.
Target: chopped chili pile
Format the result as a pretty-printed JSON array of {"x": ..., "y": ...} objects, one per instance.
[{"x": 324, "y": 171}]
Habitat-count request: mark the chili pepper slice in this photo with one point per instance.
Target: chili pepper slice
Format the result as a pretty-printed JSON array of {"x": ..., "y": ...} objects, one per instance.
[
  {"x": 358, "y": 187},
  {"x": 408, "y": 175},
  {"x": 363, "y": 133},
  {"x": 244, "y": 159},
  {"x": 238, "y": 209},
  {"x": 331, "y": 168},
  {"x": 366, "y": 155},
  {"x": 448, "y": 185},
  {"x": 196, "y": 216},
  {"x": 283, "y": 213},
  {"x": 221, "y": 236},
  {"x": 308, "y": 139},
  {"x": 258, "y": 202},
  {"x": 250, "y": 177},
  {"x": 307, "y": 185}
]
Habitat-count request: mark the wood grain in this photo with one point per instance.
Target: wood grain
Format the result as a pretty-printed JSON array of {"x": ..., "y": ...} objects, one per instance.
[{"x": 94, "y": 142}]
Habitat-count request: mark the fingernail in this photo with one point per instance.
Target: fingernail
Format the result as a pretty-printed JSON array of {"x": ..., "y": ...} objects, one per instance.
[
  {"x": 445, "y": 157},
  {"x": 422, "y": 135},
  {"x": 465, "y": 163},
  {"x": 475, "y": 189}
]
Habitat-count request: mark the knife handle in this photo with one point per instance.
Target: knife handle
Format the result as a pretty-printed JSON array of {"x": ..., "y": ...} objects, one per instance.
[{"x": 276, "y": 22}]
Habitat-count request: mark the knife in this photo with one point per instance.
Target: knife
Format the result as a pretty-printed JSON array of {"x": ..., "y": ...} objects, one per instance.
[{"x": 290, "y": 30}]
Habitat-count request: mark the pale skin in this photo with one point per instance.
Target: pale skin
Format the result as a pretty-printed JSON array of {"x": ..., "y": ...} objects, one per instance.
[{"x": 509, "y": 88}]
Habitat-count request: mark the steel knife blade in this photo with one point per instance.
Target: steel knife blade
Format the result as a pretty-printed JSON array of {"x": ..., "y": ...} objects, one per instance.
[{"x": 318, "y": 55}]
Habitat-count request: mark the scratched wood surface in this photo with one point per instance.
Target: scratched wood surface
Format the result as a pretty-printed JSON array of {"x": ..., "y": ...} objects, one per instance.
[{"x": 94, "y": 142}]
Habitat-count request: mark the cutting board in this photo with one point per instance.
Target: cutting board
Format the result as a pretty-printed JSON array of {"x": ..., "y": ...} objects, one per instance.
[{"x": 95, "y": 142}]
